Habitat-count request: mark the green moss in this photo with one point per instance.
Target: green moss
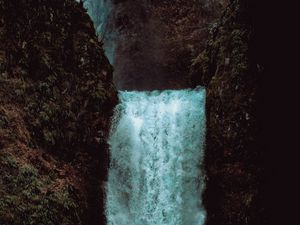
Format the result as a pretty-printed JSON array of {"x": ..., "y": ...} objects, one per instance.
[{"x": 27, "y": 197}]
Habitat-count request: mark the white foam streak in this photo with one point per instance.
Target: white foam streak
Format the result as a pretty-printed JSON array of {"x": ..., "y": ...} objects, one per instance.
[{"x": 156, "y": 147}]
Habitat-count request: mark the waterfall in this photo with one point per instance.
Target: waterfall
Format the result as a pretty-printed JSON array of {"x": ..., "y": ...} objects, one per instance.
[
  {"x": 156, "y": 149},
  {"x": 100, "y": 13}
]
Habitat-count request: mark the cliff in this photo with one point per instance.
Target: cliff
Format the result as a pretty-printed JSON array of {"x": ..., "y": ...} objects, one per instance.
[
  {"x": 56, "y": 98},
  {"x": 154, "y": 41},
  {"x": 229, "y": 70}
]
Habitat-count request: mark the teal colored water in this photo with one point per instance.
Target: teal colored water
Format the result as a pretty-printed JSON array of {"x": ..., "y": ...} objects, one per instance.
[
  {"x": 100, "y": 12},
  {"x": 157, "y": 148}
]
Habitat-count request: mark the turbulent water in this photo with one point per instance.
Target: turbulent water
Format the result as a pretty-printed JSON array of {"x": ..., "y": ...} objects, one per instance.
[{"x": 156, "y": 146}]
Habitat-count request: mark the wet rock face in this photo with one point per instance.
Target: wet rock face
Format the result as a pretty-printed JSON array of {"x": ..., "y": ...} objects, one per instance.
[
  {"x": 56, "y": 97},
  {"x": 233, "y": 156}
]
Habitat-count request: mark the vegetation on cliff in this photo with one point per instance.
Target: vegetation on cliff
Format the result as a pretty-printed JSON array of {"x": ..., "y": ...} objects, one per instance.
[
  {"x": 56, "y": 97},
  {"x": 185, "y": 28},
  {"x": 231, "y": 74}
]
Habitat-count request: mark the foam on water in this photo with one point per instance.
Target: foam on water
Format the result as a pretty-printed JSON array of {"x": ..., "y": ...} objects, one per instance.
[{"x": 156, "y": 150}]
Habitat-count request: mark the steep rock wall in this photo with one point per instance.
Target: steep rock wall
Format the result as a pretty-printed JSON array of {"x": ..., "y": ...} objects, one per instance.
[
  {"x": 228, "y": 68},
  {"x": 152, "y": 43},
  {"x": 56, "y": 97}
]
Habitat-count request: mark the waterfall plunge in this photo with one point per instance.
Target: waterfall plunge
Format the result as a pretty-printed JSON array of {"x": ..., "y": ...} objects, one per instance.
[{"x": 156, "y": 147}]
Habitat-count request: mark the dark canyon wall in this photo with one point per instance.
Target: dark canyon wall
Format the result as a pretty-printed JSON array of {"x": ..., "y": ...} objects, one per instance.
[
  {"x": 152, "y": 43},
  {"x": 230, "y": 70},
  {"x": 56, "y": 98}
]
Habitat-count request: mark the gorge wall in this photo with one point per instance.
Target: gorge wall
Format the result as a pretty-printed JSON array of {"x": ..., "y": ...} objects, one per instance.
[
  {"x": 152, "y": 43},
  {"x": 56, "y": 97},
  {"x": 230, "y": 70}
]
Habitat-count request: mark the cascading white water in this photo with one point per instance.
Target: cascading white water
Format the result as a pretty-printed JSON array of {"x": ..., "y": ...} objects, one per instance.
[{"x": 157, "y": 148}]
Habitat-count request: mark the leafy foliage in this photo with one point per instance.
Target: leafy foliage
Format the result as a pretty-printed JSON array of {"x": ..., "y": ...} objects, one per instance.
[
  {"x": 27, "y": 197},
  {"x": 56, "y": 98},
  {"x": 67, "y": 88}
]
